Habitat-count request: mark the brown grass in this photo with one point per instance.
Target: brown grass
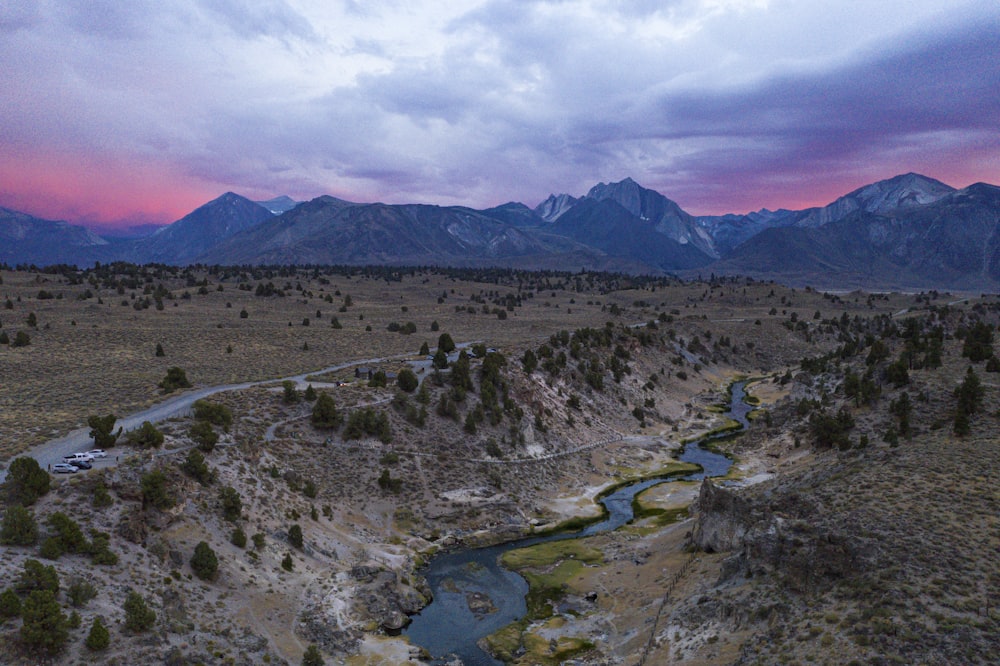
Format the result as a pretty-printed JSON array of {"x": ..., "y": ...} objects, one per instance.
[{"x": 87, "y": 357}]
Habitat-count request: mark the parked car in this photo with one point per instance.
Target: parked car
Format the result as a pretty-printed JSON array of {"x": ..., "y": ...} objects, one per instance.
[
  {"x": 78, "y": 456},
  {"x": 80, "y": 464},
  {"x": 64, "y": 468},
  {"x": 97, "y": 453}
]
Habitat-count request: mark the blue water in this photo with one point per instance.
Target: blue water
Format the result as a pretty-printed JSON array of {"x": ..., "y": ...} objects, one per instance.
[{"x": 447, "y": 627}]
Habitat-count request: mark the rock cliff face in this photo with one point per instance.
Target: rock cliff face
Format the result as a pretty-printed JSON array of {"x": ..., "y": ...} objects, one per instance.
[
  {"x": 724, "y": 519},
  {"x": 779, "y": 540},
  {"x": 553, "y": 207}
]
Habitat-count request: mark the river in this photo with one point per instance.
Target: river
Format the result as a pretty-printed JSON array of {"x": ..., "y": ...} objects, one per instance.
[{"x": 447, "y": 627}]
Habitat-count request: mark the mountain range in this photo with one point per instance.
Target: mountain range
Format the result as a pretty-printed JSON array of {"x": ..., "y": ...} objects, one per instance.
[{"x": 907, "y": 232}]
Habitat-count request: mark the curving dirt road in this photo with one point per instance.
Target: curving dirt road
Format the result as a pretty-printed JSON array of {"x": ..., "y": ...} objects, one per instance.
[{"x": 52, "y": 451}]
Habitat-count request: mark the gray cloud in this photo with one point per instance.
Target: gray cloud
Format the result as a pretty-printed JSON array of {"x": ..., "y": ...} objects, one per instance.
[
  {"x": 271, "y": 18},
  {"x": 19, "y": 16}
]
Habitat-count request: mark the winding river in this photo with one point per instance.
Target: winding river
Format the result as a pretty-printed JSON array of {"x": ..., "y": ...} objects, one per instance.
[{"x": 447, "y": 627}]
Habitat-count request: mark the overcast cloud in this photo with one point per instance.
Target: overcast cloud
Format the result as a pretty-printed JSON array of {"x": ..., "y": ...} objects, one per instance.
[{"x": 143, "y": 110}]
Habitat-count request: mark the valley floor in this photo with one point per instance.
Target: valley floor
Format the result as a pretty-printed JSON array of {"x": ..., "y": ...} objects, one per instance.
[{"x": 871, "y": 550}]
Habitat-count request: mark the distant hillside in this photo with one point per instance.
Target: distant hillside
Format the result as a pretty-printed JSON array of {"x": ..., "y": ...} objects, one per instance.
[
  {"x": 952, "y": 242},
  {"x": 331, "y": 231},
  {"x": 25, "y": 239},
  {"x": 515, "y": 214},
  {"x": 279, "y": 205},
  {"x": 199, "y": 231},
  {"x": 885, "y": 197}
]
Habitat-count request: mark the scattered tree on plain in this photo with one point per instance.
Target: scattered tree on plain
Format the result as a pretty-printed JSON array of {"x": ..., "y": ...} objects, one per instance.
[
  {"x": 204, "y": 435},
  {"x": 325, "y": 414},
  {"x": 232, "y": 505},
  {"x": 312, "y": 656},
  {"x": 445, "y": 343},
  {"x": 175, "y": 379},
  {"x": 295, "y": 536},
  {"x": 213, "y": 412},
  {"x": 102, "y": 430},
  {"x": 290, "y": 395},
  {"x": 407, "y": 380}
]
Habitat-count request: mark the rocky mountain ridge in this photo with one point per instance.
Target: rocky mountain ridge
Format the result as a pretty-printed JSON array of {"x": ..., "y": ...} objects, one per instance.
[
  {"x": 899, "y": 193},
  {"x": 908, "y": 231},
  {"x": 951, "y": 242}
]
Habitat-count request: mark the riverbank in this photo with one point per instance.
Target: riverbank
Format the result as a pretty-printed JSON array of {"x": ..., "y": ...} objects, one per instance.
[{"x": 548, "y": 564}]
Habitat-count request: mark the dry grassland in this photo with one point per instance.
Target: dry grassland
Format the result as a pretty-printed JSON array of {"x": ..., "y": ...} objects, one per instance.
[{"x": 89, "y": 357}]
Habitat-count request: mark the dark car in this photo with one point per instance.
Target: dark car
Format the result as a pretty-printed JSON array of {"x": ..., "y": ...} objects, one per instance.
[{"x": 79, "y": 464}]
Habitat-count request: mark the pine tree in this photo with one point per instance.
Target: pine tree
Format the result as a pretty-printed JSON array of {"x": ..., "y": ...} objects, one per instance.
[
  {"x": 204, "y": 436},
  {"x": 176, "y": 378},
  {"x": 295, "y": 536},
  {"x": 37, "y": 576},
  {"x": 232, "y": 504},
  {"x": 10, "y": 604},
  {"x": 26, "y": 481},
  {"x": 204, "y": 562},
  {"x": 98, "y": 638},
  {"x": 154, "y": 490},
  {"x": 102, "y": 430},
  {"x": 324, "y": 413},
  {"x": 445, "y": 343},
  {"x": 44, "y": 629},
  {"x": 138, "y": 616},
  {"x": 19, "y": 528},
  {"x": 146, "y": 436},
  {"x": 290, "y": 395}
]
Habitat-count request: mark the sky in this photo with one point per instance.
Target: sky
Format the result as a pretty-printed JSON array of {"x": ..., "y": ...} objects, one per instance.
[{"x": 118, "y": 113}]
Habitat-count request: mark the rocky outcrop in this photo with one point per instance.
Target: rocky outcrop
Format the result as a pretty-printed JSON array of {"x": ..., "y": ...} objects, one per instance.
[
  {"x": 780, "y": 541},
  {"x": 132, "y": 526},
  {"x": 383, "y": 600},
  {"x": 723, "y": 519},
  {"x": 175, "y": 612},
  {"x": 329, "y": 638}
]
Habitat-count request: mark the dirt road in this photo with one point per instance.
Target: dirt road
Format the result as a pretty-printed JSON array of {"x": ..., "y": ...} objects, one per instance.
[{"x": 52, "y": 451}]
